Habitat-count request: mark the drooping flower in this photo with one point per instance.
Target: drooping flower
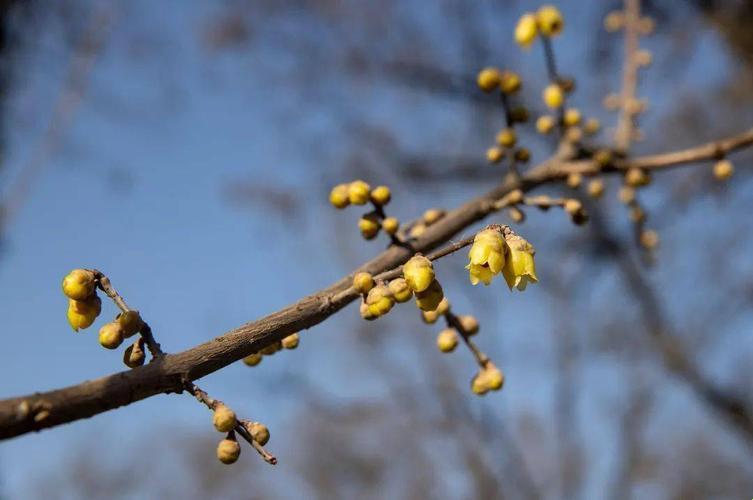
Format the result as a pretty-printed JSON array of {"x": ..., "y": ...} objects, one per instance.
[
  {"x": 486, "y": 257},
  {"x": 520, "y": 268}
]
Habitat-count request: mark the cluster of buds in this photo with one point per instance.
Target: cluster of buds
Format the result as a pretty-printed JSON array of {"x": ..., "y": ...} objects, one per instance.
[
  {"x": 84, "y": 305},
  {"x": 289, "y": 342},
  {"x": 360, "y": 193},
  {"x": 225, "y": 420},
  {"x": 498, "y": 249}
]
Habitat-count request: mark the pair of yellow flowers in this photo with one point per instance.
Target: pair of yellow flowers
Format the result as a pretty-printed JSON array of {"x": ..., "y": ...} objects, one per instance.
[{"x": 493, "y": 253}]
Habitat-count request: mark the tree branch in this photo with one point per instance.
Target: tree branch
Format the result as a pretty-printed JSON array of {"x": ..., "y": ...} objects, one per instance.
[{"x": 169, "y": 373}]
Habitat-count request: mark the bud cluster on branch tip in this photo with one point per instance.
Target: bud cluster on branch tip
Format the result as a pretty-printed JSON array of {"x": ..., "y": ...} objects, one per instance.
[
  {"x": 228, "y": 450},
  {"x": 489, "y": 378},
  {"x": 83, "y": 303},
  {"x": 486, "y": 256},
  {"x": 380, "y": 300},
  {"x": 447, "y": 340},
  {"x": 553, "y": 96},
  {"x": 223, "y": 418},
  {"x": 134, "y": 355},
  {"x": 723, "y": 170}
]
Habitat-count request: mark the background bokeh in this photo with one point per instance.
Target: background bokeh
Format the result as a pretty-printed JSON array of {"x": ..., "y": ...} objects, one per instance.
[{"x": 187, "y": 148}]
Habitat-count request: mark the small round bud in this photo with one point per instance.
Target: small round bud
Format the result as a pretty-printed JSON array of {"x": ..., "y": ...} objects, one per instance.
[
  {"x": 79, "y": 284},
  {"x": 447, "y": 340},
  {"x": 401, "y": 292},
  {"x": 549, "y": 20},
  {"x": 469, "y": 324},
  {"x": 646, "y": 25},
  {"x": 358, "y": 192},
  {"x": 339, "y": 197},
  {"x": 366, "y": 312},
  {"x": 510, "y": 82},
  {"x": 271, "y": 348},
  {"x": 649, "y": 239},
  {"x": 131, "y": 322},
  {"x": 228, "y": 451},
  {"x": 429, "y": 317},
  {"x": 134, "y": 355},
  {"x": 478, "y": 386},
  {"x": 573, "y": 134},
  {"x": 516, "y": 214},
  {"x": 430, "y": 298},
  {"x": 627, "y": 195},
  {"x": 592, "y": 126},
  {"x": 506, "y": 137},
  {"x": 614, "y": 21},
  {"x": 603, "y": 157},
  {"x": 291, "y": 341},
  {"x": 596, "y": 188},
  {"x": 488, "y": 79},
  {"x": 259, "y": 432},
  {"x": 381, "y": 195},
  {"x": 545, "y": 124},
  {"x": 363, "y": 282},
  {"x": 111, "y": 335},
  {"x": 252, "y": 359},
  {"x": 572, "y": 117},
  {"x": 723, "y": 170},
  {"x": 369, "y": 226},
  {"x": 523, "y": 155},
  {"x": 418, "y": 273},
  {"x": 432, "y": 215},
  {"x": 82, "y": 313},
  {"x": 515, "y": 196},
  {"x": 574, "y": 180},
  {"x": 519, "y": 114},
  {"x": 526, "y": 30},
  {"x": 636, "y": 177},
  {"x": 495, "y": 154},
  {"x": 573, "y": 206},
  {"x": 390, "y": 225},
  {"x": 553, "y": 96},
  {"x": 224, "y": 418}
]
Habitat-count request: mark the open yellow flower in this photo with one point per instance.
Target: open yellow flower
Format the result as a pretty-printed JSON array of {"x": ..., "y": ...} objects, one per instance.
[
  {"x": 487, "y": 256},
  {"x": 520, "y": 268}
]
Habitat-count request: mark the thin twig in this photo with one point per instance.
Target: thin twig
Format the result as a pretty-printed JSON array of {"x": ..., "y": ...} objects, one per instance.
[{"x": 626, "y": 122}]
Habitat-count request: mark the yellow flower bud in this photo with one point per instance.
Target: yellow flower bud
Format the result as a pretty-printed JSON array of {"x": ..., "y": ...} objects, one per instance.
[
  {"x": 493, "y": 377},
  {"x": 432, "y": 215},
  {"x": 486, "y": 257},
  {"x": 469, "y": 324},
  {"x": 545, "y": 124},
  {"x": 614, "y": 21},
  {"x": 339, "y": 197},
  {"x": 549, "y": 20},
  {"x": 259, "y": 432},
  {"x": 636, "y": 177},
  {"x": 592, "y": 126},
  {"x": 272, "y": 348},
  {"x": 365, "y": 312},
  {"x": 224, "y": 418},
  {"x": 418, "y": 273},
  {"x": 380, "y": 300},
  {"x": 363, "y": 282},
  {"x": 495, "y": 154},
  {"x": 723, "y": 170},
  {"x": 510, "y": 82},
  {"x": 291, "y": 341},
  {"x": 131, "y": 322},
  {"x": 596, "y": 188},
  {"x": 82, "y": 313},
  {"x": 228, "y": 451},
  {"x": 429, "y": 317},
  {"x": 489, "y": 79},
  {"x": 401, "y": 292},
  {"x": 79, "y": 284},
  {"x": 506, "y": 137},
  {"x": 649, "y": 239},
  {"x": 111, "y": 335},
  {"x": 135, "y": 356},
  {"x": 381, "y": 195},
  {"x": 478, "y": 385},
  {"x": 252, "y": 359},
  {"x": 574, "y": 180},
  {"x": 520, "y": 268},
  {"x": 516, "y": 214},
  {"x": 369, "y": 226},
  {"x": 447, "y": 340},
  {"x": 429, "y": 299},
  {"x": 553, "y": 96},
  {"x": 522, "y": 155},
  {"x": 358, "y": 192},
  {"x": 572, "y": 117},
  {"x": 572, "y": 206},
  {"x": 603, "y": 157},
  {"x": 526, "y": 30},
  {"x": 390, "y": 225},
  {"x": 627, "y": 195}
]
